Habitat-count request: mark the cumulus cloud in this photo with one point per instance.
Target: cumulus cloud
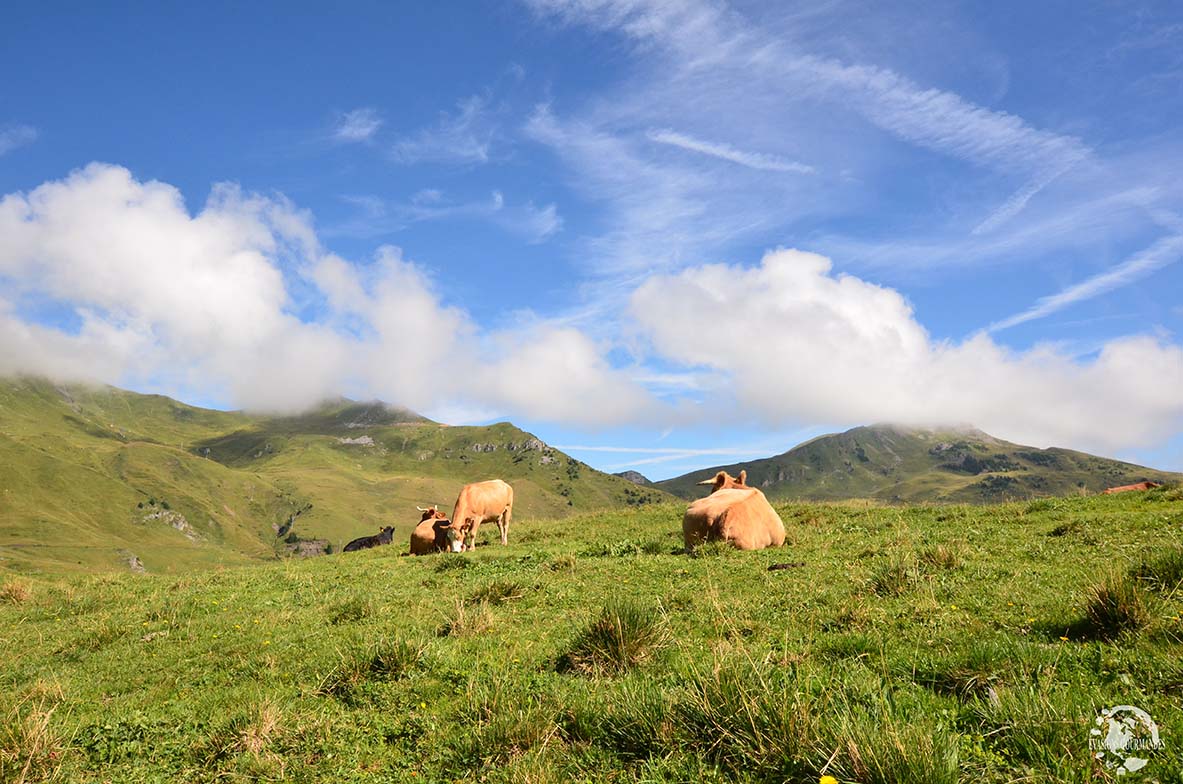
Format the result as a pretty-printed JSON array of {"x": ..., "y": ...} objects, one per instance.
[
  {"x": 209, "y": 301},
  {"x": 798, "y": 343},
  {"x": 240, "y": 299}
]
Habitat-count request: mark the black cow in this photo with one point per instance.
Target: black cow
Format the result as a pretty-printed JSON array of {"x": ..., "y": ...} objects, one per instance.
[{"x": 365, "y": 542}]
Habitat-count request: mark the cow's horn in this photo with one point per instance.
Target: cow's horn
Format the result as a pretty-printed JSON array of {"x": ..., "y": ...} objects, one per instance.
[
  {"x": 710, "y": 481},
  {"x": 421, "y": 509}
]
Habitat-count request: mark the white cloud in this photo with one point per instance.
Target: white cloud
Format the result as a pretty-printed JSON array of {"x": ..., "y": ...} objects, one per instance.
[
  {"x": 463, "y": 137},
  {"x": 205, "y": 303},
  {"x": 753, "y": 160},
  {"x": 14, "y": 136},
  {"x": 377, "y": 217},
  {"x": 1163, "y": 252},
  {"x": 798, "y": 344},
  {"x": 358, "y": 125}
]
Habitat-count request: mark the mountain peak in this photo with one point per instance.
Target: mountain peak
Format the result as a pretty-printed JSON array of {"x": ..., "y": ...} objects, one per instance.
[{"x": 952, "y": 463}]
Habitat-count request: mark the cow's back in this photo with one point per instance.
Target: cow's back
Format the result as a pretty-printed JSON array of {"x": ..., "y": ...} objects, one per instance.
[{"x": 487, "y": 499}]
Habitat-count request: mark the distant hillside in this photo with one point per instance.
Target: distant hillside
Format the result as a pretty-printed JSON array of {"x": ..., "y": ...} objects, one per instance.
[
  {"x": 97, "y": 477},
  {"x": 636, "y": 477},
  {"x": 912, "y": 464}
]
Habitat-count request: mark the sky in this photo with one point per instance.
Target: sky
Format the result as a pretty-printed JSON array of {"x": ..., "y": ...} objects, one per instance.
[{"x": 659, "y": 234}]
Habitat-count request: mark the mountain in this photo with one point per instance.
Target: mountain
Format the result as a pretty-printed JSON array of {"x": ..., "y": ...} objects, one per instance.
[
  {"x": 636, "y": 477},
  {"x": 101, "y": 478},
  {"x": 894, "y": 463}
]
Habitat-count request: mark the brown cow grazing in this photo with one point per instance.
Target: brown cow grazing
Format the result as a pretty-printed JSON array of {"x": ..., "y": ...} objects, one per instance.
[
  {"x": 431, "y": 535},
  {"x": 725, "y": 481},
  {"x": 383, "y": 536},
  {"x": 734, "y": 513},
  {"x": 476, "y": 504},
  {"x": 1131, "y": 488}
]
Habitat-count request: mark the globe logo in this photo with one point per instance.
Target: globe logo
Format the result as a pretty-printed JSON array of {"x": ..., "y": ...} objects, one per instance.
[{"x": 1123, "y": 737}]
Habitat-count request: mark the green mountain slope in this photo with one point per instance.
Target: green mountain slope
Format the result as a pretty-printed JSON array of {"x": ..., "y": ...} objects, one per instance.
[
  {"x": 101, "y": 478},
  {"x": 911, "y": 464}
]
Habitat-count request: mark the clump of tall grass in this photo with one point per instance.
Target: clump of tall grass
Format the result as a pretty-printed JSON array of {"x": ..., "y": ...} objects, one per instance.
[
  {"x": 352, "y": 609},
  {"x": 713, "y": 549},
  {"x": 15, "y": 591},
  {"x": 623, "y": 548},
  {"x": 451, "y": 561},
  {"x": 561, "y": 563},
  {"x": 1162, "y": 571},
  {"x": 899, "y": 574},
  {"x": 382, "y": 661},
  {"x": 948, "y": 555},
  {"x": 497, "y": 592},
  {"x": 624, "y": 636},
  {"x": 1115, "y": 606},
  {"x": 31, "y": 747},
  {"x": 466, "y": 619}
]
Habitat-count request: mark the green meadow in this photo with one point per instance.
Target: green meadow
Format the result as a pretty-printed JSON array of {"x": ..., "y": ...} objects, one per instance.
[{"x": 894, "y": 644}]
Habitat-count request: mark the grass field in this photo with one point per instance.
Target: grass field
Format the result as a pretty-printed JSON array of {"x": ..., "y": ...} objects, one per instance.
[{"x": 921, "y": 644}]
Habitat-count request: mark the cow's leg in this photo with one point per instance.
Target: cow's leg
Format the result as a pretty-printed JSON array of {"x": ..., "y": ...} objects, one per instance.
[{"x": 503, "y": 525}]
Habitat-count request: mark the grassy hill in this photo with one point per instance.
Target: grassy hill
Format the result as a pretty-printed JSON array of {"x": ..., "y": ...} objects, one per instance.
[
  {"x": 108, "y": 479},
  {"x": 892, "y": 463},
  {"x": 904, "y": 645}
]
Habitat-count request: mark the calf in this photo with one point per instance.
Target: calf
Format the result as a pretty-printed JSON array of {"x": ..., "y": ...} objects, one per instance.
[{"x": 384, "y": 536}]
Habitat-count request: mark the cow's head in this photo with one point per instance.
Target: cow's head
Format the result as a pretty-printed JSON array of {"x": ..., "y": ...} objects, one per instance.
[
  {"x": 460, "y": 534},
  {"x": 725, "y": 481},
  {"x": 385, "y": 535},
  {"x": 431, "y": 512}
]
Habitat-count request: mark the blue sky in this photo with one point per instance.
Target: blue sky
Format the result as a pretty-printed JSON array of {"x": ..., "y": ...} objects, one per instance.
[{"x": 672, "y": 233}]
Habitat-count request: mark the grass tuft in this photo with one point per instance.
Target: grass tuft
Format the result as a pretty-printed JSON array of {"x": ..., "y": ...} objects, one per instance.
[
  {"x": 898, "y": 575},
  {"x": 562, "y": 563},
  {"x": 467, "y": 620},
  {"x": 452, "y": 561},
  {"x": 1163, "y": 571},
  {"x": 1114, "y": 607},
  {"x": 384, "y": 661},
  {"x": 352, "y": 609},
  {"x": 31, "y": 748},
  {"x": 497, "y": 592},
  {"x": 944, "y": 556},
  {"x": 15, "y": 591},
  {"x": 624, "y": 636}
]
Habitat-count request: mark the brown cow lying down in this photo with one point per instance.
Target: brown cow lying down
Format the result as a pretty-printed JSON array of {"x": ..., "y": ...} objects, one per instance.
[
  {"x": 740, "y": 515},
  {"x": 1129, "y": 488},
  {"x": 431, "y": 535},
  {"x": 383, "y": 536},
  {"x": 476, "y": 504}
]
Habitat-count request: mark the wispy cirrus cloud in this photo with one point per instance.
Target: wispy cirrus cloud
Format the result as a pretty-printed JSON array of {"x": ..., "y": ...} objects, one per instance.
[
  {"x": 358, "y": 125},
  {"x": 1163, "y": 252},
  {"x": 752, "y": 160},
  {"x": 377, "y": 216},
  {"x": 761, "y": 87},
  {"x": 463, "y": 136},
  {"x": 14, "y": 136}
]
